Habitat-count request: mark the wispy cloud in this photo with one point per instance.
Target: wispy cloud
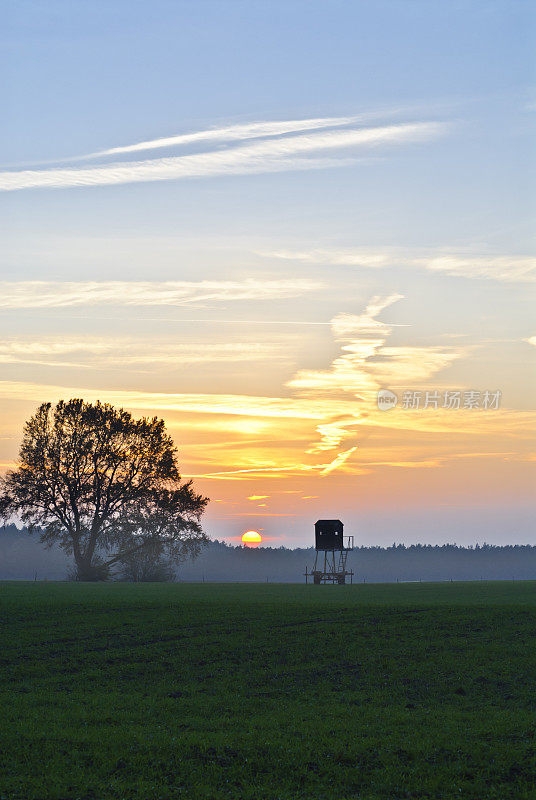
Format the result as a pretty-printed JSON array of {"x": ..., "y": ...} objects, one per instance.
[
  {"x": 261, "y": 470},
  {"x": 507, "y": 268},
  {"x": 281, "y": 409},
  {"x": 232, "y": 404},
  {"x": 251, "y": 130},
  {"x": 338, "y": 461},
  {"x": 49, "y": 294},
  {"x": 100, "y": 353},
  {"x": 223, "y": 449},
  {"x": 366, "y": 364},
  {"x": 325, "y": 406},
  {"x": 268, "y": 155}
]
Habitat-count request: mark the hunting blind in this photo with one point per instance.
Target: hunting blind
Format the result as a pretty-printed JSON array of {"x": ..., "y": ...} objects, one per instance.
[{"x": 332, "y": 549}]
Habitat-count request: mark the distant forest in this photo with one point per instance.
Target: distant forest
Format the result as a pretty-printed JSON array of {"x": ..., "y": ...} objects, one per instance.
[{"x": 22, "y": 557}]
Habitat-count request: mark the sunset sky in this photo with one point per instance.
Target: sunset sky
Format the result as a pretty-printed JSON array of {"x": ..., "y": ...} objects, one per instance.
[{"x": 249, "y": 217}]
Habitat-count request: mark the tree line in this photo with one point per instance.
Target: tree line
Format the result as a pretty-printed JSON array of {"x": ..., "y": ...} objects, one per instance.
[{"x": 23, "y": 558}]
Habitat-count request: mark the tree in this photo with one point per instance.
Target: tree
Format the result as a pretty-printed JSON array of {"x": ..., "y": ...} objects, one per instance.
[
  {"x": 104, "y": 486},
  {"x": 145, "y": 565}
]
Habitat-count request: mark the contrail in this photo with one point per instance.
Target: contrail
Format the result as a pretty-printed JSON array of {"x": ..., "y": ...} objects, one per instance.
[
  {"x": 252, "y": 130},
  {"x": 273, "y": 155}
]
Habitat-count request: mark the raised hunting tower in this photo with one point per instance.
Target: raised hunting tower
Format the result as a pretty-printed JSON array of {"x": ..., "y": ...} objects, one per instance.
[{"x": 332, "y": 549}]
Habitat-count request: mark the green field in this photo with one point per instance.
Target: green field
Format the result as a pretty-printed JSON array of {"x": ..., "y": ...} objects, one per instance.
[{"x": 268, "y": 691}]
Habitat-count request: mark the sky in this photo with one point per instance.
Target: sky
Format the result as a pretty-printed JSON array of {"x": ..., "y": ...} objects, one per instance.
[{"x": 249, "y": 218}]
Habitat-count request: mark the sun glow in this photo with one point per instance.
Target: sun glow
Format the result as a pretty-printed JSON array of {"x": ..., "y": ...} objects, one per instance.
[{"x": 252, "y": 538}]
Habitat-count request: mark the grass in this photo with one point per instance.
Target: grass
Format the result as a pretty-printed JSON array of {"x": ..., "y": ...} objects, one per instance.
[{"x": 267, "y": 691}]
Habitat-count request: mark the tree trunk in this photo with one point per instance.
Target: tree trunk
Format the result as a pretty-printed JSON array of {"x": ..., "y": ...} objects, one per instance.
[{"x": 87, "y": 569}]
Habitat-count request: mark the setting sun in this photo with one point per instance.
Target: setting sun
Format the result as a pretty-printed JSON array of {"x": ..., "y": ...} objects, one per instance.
[{"x": 252, "y": 538}]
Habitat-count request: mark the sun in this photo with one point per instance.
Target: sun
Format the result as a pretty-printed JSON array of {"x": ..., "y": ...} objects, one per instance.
[{"x": 252, "y": 538}]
